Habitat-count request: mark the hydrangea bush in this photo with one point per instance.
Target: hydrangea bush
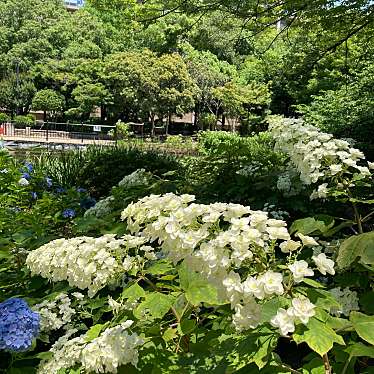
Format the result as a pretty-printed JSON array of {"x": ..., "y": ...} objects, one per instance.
[
  {"x": 189, "y": 267},
  {"x": 171, "y": 285}
]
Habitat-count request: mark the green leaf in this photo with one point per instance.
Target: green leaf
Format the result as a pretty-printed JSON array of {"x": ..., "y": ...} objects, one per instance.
[
  {"x": 133, "y": 292},
  {"x": 364, "y": 326},
  {"x": 314, "y": 367},
  {"x": 366, "y": 302},
  {"x": 155, "y": 305},
  {"x": 269, "y": 308},
  {"x": 169, "y": 334},
  {"x": 356, "y": 246},
  {"x": 313, "y": 283},
  {"x": 186, "y": 326},
  {"x": 319, "y": 337},
  {"x": 360, "y": 350},
  {"x": 95, "y": 331},
  {"x": 309, "y": 225},
  {"x": 197, "y": 289},
  {"x": 322, "y": 299},
  {"x": 160, "y": 268}
]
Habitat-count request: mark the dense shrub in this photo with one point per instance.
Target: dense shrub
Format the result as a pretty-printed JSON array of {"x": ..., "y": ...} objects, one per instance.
[
  {"x": 24, "y": 121},
  {"x": 347, "y": 112}
]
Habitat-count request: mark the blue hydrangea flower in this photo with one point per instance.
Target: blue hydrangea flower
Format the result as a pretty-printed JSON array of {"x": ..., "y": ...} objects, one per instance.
[
  {"x": 26, "y": 175},
  {"x": 60, "y": 190},
  {"x": 80, "y": 189},
  {"x": 68, "y": 213},
  {"x": 29, "y": 166},
  {"x": 19, "y": 325},
  {"x": 48, "y": 182},
  {"x": 34, "y": 195}
]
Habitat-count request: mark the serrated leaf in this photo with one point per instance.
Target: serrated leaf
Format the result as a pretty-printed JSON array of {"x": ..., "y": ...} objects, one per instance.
[
  {"x": 160, "y": 268},
  {"x": 198, "y": 290},
  {"x": 269, "y": 308},
  {"x": 361, "y": 245},
  {"x": 364, "y": 326},
  {"x": 155, "y": 304},
  {"x": 322, "y": 299},
  {"x": 95, "y": 331},
  {"x": 319, "y": 337},
  {"x": 133, "y": 292}
]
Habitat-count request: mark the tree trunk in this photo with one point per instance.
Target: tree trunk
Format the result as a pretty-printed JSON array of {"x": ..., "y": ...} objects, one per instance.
[{"x": 153, "y": 125}]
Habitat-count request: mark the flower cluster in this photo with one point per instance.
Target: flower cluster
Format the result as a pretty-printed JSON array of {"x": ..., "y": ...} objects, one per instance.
[
  {"x": 300, "y": 311},
  {"x": 104, "y": 354},
  {"x": 105, "y": 206},
  {"x": 347, "y": 299},
  {"x": 84, "y": 262},
  {"x": 220, "y": 241},
  {"x": 19, "y": 325},
  {"x": 101, "y": 209},
  {"x": 318, "y": 157},
  {"x": 54, "y": 314},
  {"x": 139, "y": 177}
]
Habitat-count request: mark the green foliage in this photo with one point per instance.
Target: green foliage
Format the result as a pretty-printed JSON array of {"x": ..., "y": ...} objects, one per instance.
[
  {"x": 24, "y": 121},
  {"x": 361, "y": 246},
  {"x": 4, "y": 118},
  {"x": 122, "y": 130},
  {"x": 48, "y": 100}
]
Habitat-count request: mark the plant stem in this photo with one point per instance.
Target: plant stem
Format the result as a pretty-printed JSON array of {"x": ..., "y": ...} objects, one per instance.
[
  {"x": 326, "y": 364},
  {"x": 293, "y": 371},
  {"x": 357, "y": 218}
]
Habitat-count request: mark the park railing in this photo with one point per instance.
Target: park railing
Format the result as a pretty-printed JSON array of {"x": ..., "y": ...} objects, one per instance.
[{"x": 57, "y": 131}]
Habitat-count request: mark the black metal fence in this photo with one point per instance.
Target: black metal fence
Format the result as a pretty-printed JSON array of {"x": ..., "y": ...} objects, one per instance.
[{"x": 54, "y": 131}]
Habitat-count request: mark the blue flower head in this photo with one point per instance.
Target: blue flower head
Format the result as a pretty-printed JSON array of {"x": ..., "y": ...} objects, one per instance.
[
  {"x": 34, "y": 195},
  {"x": 80, "y": 189},
  {"x": 29, "y": 166},
  {"x": 60, "y": 190},
  {"x": 26, "y": 176},
  {"x": 48, "y": 182},
  {"x": 19, "y": 325},
  {"x": 68, "y": 213}
]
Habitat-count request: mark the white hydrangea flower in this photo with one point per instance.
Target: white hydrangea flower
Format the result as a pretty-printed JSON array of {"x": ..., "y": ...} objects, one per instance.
[
  {"x": 105, "y": 354},
  {"x": 284, "y": 321},
  {"x": 271, "y": 283},
  {"x": 289, "y": 246},
  {"x": 307, "y": 241},
  {"x": 300, "y": 270},
  {"x": 54, "y": 314},
  {"x": 101, "y": 209},
  {"x": 302, "y": 309},
  {"x": 23, "y": 182},
  {"x": 317, "y": 156},
  {"x": 86, "y": 263},
  {"x": 247, "y": 316},
  {"x": 324, "y": 264},
  {"x": 139, "y": 177}
]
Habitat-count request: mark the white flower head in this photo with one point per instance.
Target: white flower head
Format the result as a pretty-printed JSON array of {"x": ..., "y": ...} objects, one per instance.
[
  {"x": 302, "y": 309},
  {"x": 289, "y": 246},
  {"x": 23, "y": 182},
  {"x": 284, "y": 321},
  {"x": 300, "y": 270},
  {"x": 307, "y": 241},
  {"x": 324, "y": 264}
]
